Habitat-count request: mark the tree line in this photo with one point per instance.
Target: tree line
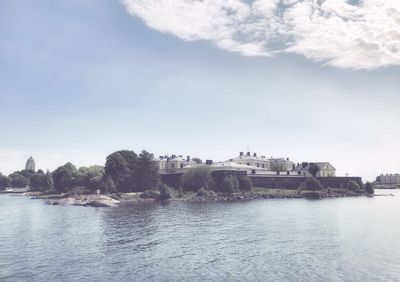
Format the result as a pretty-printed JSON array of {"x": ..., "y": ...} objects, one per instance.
[{"x": 124, "y": 171}]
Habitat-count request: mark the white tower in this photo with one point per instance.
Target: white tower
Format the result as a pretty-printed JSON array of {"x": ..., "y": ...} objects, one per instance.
[{"x": 30, "y": 164}]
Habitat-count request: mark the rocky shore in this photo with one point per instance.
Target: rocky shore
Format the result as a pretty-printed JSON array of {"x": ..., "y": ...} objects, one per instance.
[
  {"x": 78, "y": 200},
  {"x": 129, "y": 198}
]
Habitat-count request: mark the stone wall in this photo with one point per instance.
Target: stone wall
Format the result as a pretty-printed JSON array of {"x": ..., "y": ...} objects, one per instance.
[
  {"x": 293, "y": 182},
  {"x": 267, "y": 181}
]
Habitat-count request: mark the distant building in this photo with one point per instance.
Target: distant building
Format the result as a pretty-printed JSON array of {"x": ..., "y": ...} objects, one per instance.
[
  {"x": 263, "y": 163},
  {"x": 325, "y": 169},
  {"x": 30, "y": 164},
  {"x": 173, "y": 164},
  {"x": 388, "y": 179}
]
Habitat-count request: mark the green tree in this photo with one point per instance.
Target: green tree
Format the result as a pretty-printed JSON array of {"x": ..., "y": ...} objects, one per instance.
[
  {"x": 4, "y": 182},
  {"x": 196, "y": 178},
  {"x": 313, "y": 169},
  {"x": 353, "y": 186},
  {"x": 49, "y": 184},
  {"x": 120, "y": 166},
  {"x": 109, "y": 185},
  {"x": 245, "y": 183},
  {"x": 64, "y": 177},
  {"x": 165, "y": 193},
  {"x": 312, "y": 184},
  {"x": 229, "y": 185},
  {"x": 38, "y": 181},
  {"x": 369, "y": 188},
  {"x": 278, "y": 167},
  {"x": 90, "y": 177},
  {"x": 146, "y": 172},
  {"x": 17, "y": 180}
]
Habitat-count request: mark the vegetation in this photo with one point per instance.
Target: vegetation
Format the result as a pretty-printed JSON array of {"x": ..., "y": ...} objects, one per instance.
[
  {"x": 229, "y": 185},
  {"x": 313, "y": 169},
  {"x": 132, "y": 173},
  {"x": 353, "y": 186},
  {"x": 18, "y": 180},
  {"x": 369, "y": 188},
  {"x": 4, "y": 182},
  {"x": 245, "y": 183},
  {"x": 165, "y": 193},
  {"x": 278, "y": 167},
  {"x": 197, "y": 178},
  {"x": 312, "y": 184}
]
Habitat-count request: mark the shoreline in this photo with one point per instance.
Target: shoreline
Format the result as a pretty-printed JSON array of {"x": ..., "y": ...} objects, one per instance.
[{"x": 121, "y": 199}]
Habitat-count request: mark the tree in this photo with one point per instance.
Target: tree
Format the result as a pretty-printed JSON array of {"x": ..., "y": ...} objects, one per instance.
[
  {"x": 49, "y": 183},
  {"x": 313, "y": 169},
  {"x": 64, "y": 177},
  {"x": 353, "y": 186},
  {"x": 196, "y": 178},
  {"x": 109, "y": 185},
  {"x": 369, "y": 188},
  {"x": 38, "y": 181},
  {"x": 4, "y": 182},
  {"x": 120, "y": 166},
  {"x": 131, "y": 172},
  {"x": 245, "y": 183},
  {"x": 312, "y": 184},
  {"x": 146, "y": 172},
  {"x": 165, "y": 193},
  {"x": 229, "y": 185},
  {"x": 197, "y": 160},
  {"x": 277, "y": 166},
  {"x": 90, "y": 177},
  {"x": 17, "y": 180}
]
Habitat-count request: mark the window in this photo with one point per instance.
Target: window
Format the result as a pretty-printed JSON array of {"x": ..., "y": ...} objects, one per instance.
[
  {"x": 248, "y": 164},
  {"x": 172, "y": 165}
]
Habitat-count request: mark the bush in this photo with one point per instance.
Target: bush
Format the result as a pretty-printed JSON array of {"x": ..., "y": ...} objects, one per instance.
[
  {"x": 150, "y": 194},
  {"x": 312, "y": 184},
  {"x": 197, "y": 178},
  {"x": 165, "y": 193},
  {"x": 245, "y": 183},
  {"x": 353, "y": 186},
  {"x": 369, "y": 188},
  {"x": 202, "y": 193},
  {"x": 229, "y": 185}
]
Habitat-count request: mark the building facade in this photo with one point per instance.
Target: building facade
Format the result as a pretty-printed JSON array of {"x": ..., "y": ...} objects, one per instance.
[
  {"x": 388, "y": 179},
  {"x": 263, "y": 163}
]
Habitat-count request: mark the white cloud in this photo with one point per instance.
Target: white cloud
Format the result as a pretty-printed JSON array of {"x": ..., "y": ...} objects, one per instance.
[{"x": 362, "y": 34}]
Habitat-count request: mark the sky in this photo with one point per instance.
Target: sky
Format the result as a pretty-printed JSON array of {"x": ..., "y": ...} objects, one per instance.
[{"x": 308, "y": 80}]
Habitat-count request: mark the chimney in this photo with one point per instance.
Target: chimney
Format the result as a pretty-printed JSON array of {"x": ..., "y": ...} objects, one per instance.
[
  {"x": 255, "y": 154},
  {"x": 248, "y": 153},
  {"x": 241, "y": 154},
  {"x": 188, "y": 158}
]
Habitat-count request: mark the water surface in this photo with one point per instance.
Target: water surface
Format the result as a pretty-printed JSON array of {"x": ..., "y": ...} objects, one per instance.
[{"x": 345, "y": 239}]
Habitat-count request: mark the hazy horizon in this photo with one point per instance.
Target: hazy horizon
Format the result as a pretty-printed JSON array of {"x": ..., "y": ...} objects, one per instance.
[{"x": 81, "y": 79}]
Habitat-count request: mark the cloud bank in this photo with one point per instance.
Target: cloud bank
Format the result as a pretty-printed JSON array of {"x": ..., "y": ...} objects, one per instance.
[{"x": 354, "y": 34}]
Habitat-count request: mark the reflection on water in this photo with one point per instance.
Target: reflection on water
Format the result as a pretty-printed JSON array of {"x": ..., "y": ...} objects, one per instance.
[{"x": 351, "y": 239}]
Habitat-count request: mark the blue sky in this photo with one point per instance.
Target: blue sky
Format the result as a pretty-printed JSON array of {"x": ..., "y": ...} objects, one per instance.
[{"x": 81, "y": 79}]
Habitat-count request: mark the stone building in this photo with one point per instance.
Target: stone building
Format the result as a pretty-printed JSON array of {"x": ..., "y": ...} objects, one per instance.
[
  {"x": 263, "y": 163},
  {"x": 325, "y": 169},
  {"x": 170, "y": 164},
  {"x": 30, "y": 164}
]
